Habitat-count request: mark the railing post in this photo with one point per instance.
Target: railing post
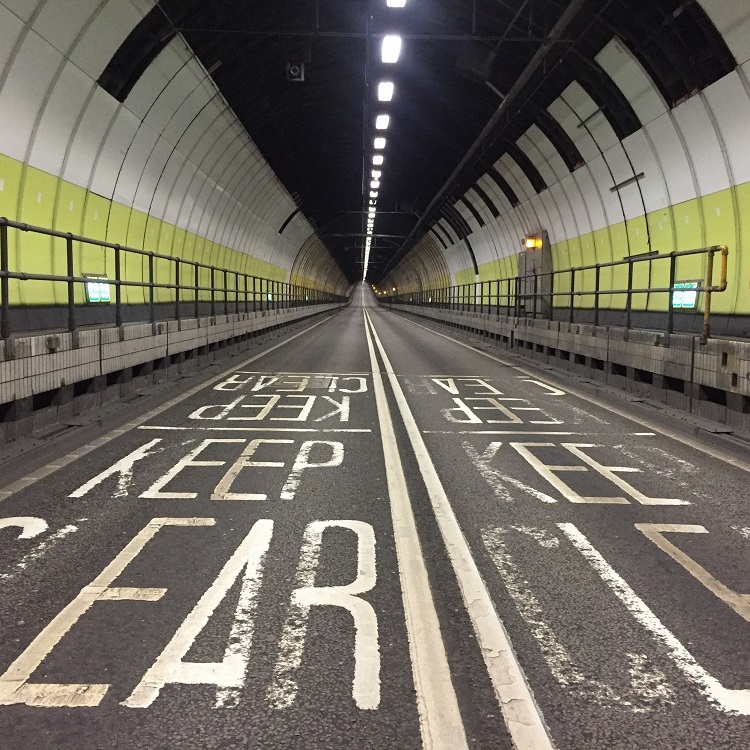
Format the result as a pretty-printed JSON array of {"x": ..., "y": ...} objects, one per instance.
[
  {"x": 151, "y": 309},
  {"x": 247, "y": 307},
  {"x": 629, "y": 302},
  {"x": 550, "y": 312},
  {"x": 237, "y": 293},
  {"x": 255, "y": 294},
  {"x": 536, "y": 291},
  {"x": 118, "y": 286},
  {"x": 226, "y": 292},
  {"x": 4, "y": 285},
  {"x": 71, "y": 283},
  {"x": 213, "y": 291},
  {"x": 177, "y": 288},
  {"x": 197, "y": 280},
  {"x": 672, "y": 276},
  {"x": 596, "y": 294},
  {"x": 572, "y": 294}
]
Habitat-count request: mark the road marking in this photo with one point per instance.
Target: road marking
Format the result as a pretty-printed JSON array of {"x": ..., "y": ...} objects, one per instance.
[
  {"x": 496, "y": 478},
  {"x": 14, "y": 685},
  {"x": 522, "y": 716},
  {"x": 742, "y": 531},
  {"x": 366, "y": 685},
  {"x": 84, "y": 450},
  {"x": 302, "y": 463},
  {"x": 123, "y": 468},
  {"x": 551, "y": 390},
  {"x": 499, "y": 432},
  {"x": 221, "y": 491},
  {"x": 591, "y": 399},
  {"x": 648, "y": 686},
  {"x": 731, "y": 701},
  {"x": 40, "y": 550},
  {"x": 30, "y": 526},
  {"x": 440, "y": 720},
  {"x": 549, "y": 472},
  {"x": 169, "y": 667},
  {"x": 171, "y": 428},
  {"x": 740, "y": 603}
]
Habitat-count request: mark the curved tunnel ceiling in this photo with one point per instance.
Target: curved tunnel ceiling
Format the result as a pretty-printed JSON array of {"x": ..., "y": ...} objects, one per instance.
[{"x": 458, "y": 59}]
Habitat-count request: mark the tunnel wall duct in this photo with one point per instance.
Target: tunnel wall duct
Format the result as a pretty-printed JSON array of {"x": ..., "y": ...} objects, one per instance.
[
  {"x": 681, "y": 180},
  {"x": 170, "y": 169}
]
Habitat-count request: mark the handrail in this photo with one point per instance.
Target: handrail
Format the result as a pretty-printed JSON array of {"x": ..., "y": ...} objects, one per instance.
[
  {"x": 522, "y": 289},
  {"x": 259, "y": 293}
]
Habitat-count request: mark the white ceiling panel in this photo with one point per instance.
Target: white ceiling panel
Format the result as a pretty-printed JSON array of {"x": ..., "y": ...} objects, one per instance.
[
  {"x": 151, "y": 175},
  {"x": 703, "y": 145},
  {"x": 730, "y": 105},
  {"x": 24, "y": 92},
  {"x": 572, "y": 191},
  {"x": 61, "y": 21},
  {"x": 87, "y": 139},
  {"x": 566, "y": 116},
  {"x": 10, "y": 29},
  {"x": 515, "y": 177},
  {"x": 652, "y": 184},
  {"x": 107, "y": 32},
  {"x": 591, "y": 196},
  {"x": 156, "y": 78},
  {"x": 630, "y": 77},
  {"x": 673, "y": 158},
  {"x": 732, "y": 19},
  {"x": 66, "y": 101},
  {"x": 136, "y": 153},
  {"x": 24, "y": 9}
]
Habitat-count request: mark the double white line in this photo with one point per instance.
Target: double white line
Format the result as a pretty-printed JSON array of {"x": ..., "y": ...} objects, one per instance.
[{"x": 440, "y": 719}]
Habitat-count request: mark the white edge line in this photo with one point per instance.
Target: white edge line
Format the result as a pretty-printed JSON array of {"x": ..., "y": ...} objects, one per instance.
[
  {"x": 45, "y": 471},
  {"x": 440, "y": 720},
  {"x": 736, "y": 462},
  {"x": 250, "y": 429},
  {"x": 523, "y": 717}
]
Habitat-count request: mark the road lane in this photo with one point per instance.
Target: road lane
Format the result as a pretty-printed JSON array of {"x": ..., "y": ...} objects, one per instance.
[
  {"x": 238, "y": 568},
  {"x": 564, "y": 504}
]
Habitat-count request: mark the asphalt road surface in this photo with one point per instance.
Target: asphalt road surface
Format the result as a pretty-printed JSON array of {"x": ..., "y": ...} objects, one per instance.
[{"x": 370, "y": 534}]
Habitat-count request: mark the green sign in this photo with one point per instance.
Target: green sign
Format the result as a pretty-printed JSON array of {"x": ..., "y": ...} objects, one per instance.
[
  {"x": 685, "y": 295},
  {"x": 97, "y": 290}
]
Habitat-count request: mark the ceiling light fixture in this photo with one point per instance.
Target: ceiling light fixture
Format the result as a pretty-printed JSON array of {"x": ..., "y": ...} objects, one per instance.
[
  {"x": 382, "y": 122},
  {"x": 376, "y": 174},
  {"x": 375, "y": 184},
  {"x": 373, "y": 194},
  {"x": 385, "y": 91},
  {"x": 391, "y": 48},
  {"x": 377, "y": 160},
  {"x": 396, "y": 3},
  {"x": 380, "y": 143}
]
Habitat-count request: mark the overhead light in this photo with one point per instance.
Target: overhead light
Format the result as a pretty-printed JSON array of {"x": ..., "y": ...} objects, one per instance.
[
  {"x": 381, "y": 122},
  {"x": 373, "y": 194},
  {"x": 377, "y": 160},
  {"x": 396, "y": 3},
  {"x": 376, "y": 174},
  {"x": 385, "y": 91},
  {"x": 375, "y": 184},
  {"x": 391, "y": 48},
  {"x": 372, "y": 214},
  {"x": 380, "y": 143}
]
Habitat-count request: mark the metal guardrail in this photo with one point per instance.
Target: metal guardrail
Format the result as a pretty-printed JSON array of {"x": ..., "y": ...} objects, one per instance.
[
  {"x": 254, "y": 293},
  {"x": 526, "y": 296}
]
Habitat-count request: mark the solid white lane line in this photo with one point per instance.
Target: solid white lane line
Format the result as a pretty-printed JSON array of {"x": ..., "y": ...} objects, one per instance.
[
  {"x": 253, "y": 429},
  {"x": 520, "y": 711},
  {"x": 727, "y": 699},
  {"x": 84, "y": 450},
  {"x": 439, "y": 716},
  {"x": 590, "y": 398}
]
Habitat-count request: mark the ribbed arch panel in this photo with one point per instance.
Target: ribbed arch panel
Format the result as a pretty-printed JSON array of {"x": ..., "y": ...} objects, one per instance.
[
  {"x": 170, "y": 169},
  {"x": 681, "y": 181}
]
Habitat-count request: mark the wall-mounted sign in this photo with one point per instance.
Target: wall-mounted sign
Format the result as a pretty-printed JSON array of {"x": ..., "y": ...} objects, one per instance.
[
  {"x": 97, "y": 288},
  {"x": 685, "y": 295}
]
